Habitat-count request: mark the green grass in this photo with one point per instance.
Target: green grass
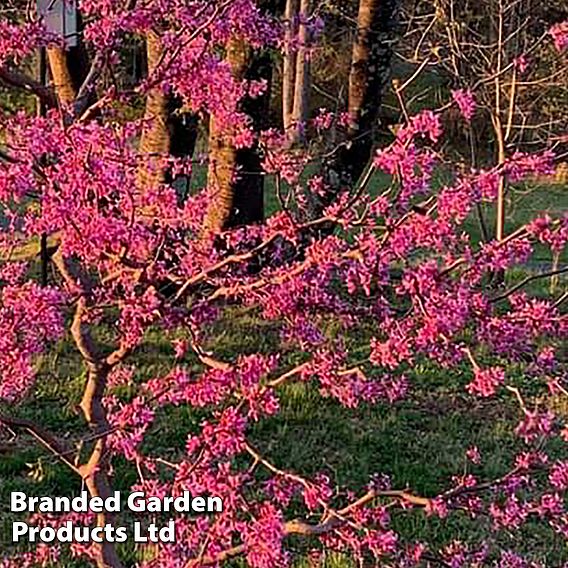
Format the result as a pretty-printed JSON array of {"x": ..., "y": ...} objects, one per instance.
[{"x": 419, "y": 442}]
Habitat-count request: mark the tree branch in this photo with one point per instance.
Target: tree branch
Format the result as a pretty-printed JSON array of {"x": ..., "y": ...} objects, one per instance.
[
  {"x": 26, "y": 83},
  {"x": 526, "y": 281},
  {"x": 43, "y": 437}
]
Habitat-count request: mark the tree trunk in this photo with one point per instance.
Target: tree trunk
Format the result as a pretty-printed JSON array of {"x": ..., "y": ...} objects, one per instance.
[
  {"x": 183, "y": 137},
  {"x": 370, "y": 69},
  {"x": 498, "y": 124},
  {"x": 155, "y": 139},
  {"x": 248, "y": 205},
  {"x": 223, "y": 154},
  {"x": 95, "y": 472},
  {"x": 235, "y": 175},
  {"x": 63, "y": 83},
  {"x": 68, "y": 68},
  {"x": 289, "y": 64},
  {"x": 302, "y": 79},
  {"x": 165, "y": 131}
]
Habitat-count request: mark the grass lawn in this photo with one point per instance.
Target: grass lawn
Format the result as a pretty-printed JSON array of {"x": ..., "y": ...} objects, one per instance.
[{"x": 419, "y": 442}]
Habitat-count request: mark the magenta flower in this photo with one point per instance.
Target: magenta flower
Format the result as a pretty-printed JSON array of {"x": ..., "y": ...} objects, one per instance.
[
  {"x": 486, "y": 381},
  {"x": 466, "y": 102},
  {"x": 559, "y": 33}
]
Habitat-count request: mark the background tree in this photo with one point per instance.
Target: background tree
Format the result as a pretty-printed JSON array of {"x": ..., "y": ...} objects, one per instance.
[
  {"x": 497, "y": 49},
  {"x": 368, "y": 77},
  {"x": 235, "y": 175}
]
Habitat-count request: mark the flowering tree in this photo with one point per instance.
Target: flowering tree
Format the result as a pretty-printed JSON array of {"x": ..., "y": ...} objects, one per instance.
[{"x": 131, "y": 258}]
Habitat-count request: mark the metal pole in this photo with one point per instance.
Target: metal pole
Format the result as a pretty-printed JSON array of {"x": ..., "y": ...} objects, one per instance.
[{"x": 41, "y": 106}]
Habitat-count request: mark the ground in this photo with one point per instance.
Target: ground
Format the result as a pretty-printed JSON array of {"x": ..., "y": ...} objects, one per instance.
[{"x": 419, "y": 442}]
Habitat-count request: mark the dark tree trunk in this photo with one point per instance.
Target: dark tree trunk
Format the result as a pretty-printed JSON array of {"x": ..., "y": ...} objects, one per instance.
[
  {"x": 182, "y": 127},
  {"x": 370, "y": 70},
  {"x": 248, "y": 206},
  {"x": 236, "y": 174}
]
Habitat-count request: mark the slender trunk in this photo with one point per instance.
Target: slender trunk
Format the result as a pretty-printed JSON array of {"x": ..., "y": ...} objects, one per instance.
[
  {"x": 98, "y": 486},
  {"x": 96, "y": 469},
  {"x": 289, "y": 64},
  {"x": 223, "y": 154},
  {"x": 501, "y": 191},
  {"x": 498, "y": 128},
  {"x": 95, "y": 472},
  {"x": 235, "y": 176},
  {"x": 302, "y": 77},
  {"x": 68, "y": 69}
]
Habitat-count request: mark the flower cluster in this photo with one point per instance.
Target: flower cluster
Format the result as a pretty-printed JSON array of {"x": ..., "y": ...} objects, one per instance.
[
  {"x": 466, "y": 102},
  {"x": 342, "y": 306}
]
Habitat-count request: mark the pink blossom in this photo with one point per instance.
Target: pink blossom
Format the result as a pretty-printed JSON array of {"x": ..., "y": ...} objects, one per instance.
[
  {"x": 437, "y": 507},
  {"x": 473, "y": 455},
  {"x": 466, "y": 102},
  {"x": 559, "y": 475},
  {"x": 510, "y": 514},
  {"x": 535, "y": 424},
  {"x": 341, "y": 307},
  {"x": 521, "y": 63},
  {"x": 559, "y": 33},
  {"x": 486, "y": 381},
  {"x": 180, "y": 348},
  {"x": 263, "y": 539}
]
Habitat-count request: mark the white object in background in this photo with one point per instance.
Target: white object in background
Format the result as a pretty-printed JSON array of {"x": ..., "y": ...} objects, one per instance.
[{"x": 60, "y": 17}]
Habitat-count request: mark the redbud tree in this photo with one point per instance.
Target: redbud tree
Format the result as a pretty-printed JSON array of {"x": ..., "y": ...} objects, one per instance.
[{"x": 130, "y": 260}]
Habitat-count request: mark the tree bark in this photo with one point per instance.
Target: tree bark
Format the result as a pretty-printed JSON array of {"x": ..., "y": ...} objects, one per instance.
[
  {"x": 165, "y": 131},
  {"x": 69, "y": 69},
  {"x": 235, "y": 175},
  {"x": 370, "y": 69},
  {"x": 223, "y": 154},
  {"x": 302, "y": 77},
  {"x": 65, "y": 87},
  {"x": 95, "y": 472},
  {"x": 289, "y": 64},
  {"x": 155, "y": 139}
]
